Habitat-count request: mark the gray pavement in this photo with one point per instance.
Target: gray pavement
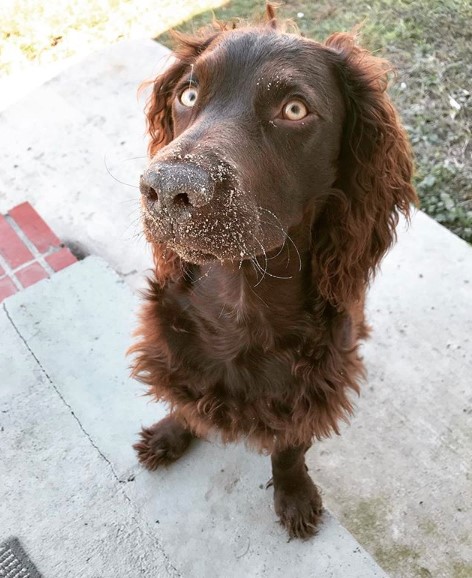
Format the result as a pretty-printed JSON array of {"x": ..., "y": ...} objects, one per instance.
[{"x": 399, "y": 478}]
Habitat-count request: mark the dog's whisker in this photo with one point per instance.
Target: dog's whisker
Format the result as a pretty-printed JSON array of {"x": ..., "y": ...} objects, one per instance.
[
  {"x": 257, "y": 270},
  {"x": 265, "y": 271},
  {"x": 134, "y": 200},
  {"x": 115, "y": 178},
  {"x": 206, "y": 274},
  {"x": 127, "y": 159},
  {"x": 286, "y": 235},
  {"x": 281, "y": 228},
  {"x": 282, "y": 247},
  {"x": 134, "y": 224}
]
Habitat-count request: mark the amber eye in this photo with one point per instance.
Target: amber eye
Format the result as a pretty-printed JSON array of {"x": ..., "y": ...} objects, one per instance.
[
  {"x": 189, "y": 96},
  {"x": 295, "y": 110}
]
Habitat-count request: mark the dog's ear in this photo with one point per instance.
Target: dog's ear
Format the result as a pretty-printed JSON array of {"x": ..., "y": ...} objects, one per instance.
[
  {"x": 374, "y": 179},
  {"x": 159, "y": 105},
  {"x": 270, "y": 14}
]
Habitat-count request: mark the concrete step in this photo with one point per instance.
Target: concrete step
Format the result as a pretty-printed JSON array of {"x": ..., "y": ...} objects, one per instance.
[{"x": 75, "y": 495}]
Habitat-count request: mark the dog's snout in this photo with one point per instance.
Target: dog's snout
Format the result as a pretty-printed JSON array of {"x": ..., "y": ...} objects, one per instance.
[{"x": 176, "y": 187}]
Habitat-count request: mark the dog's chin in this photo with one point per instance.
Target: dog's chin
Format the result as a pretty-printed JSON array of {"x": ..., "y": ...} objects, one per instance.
[
  {"x": 200, "y": 257},
  {"x": 187, "y": 251},
  {"x": 209, "y": 252},
  {"x": 197, "y": 256},
  {"x": 194, "y": 256}
]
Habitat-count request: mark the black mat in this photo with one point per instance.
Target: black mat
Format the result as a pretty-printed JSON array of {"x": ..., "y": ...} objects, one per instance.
[{"x": 14, "y": 561}]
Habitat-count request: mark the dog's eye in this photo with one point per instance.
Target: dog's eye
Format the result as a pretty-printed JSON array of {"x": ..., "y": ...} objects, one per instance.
[
  {"x": 294, "y": 110},
  {"x": 189, "y": 96}
]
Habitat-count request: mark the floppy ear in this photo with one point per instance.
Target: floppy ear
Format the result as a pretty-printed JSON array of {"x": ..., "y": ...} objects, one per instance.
[
  {"x": 374, "y": 185},
  {"x": 270, "y": 15},
  {"x": 159, "y": 105},
  {"x": 167, "y": 264}
]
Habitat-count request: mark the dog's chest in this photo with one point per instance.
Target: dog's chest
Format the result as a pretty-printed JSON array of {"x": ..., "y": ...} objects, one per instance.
[
  {"x": 244, "y": 375},
  {"x": 238, "y": 354}
]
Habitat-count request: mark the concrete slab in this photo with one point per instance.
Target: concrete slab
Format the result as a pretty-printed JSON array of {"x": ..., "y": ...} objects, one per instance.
[
  {"x": 59, "y": 142},
  {"x": 57, "y": 494},
  {"x": 72, "y": 481},
  {"x": 399, "y": 478},
  {"x": 79, "y": 327}
]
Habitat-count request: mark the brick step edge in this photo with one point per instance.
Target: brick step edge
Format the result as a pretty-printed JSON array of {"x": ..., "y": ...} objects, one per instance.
[{"x": 29, "y": 250}]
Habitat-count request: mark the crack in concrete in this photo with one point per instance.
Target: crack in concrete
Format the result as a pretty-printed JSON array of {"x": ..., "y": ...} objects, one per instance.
[
  {"x": 59, "y": 393},
  {"x": 136, "y": 517}
]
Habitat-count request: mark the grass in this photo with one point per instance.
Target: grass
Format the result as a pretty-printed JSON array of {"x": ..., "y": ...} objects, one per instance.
[
  {"x": 43, "y": 31},
  {"x": 427, "y": 40}
]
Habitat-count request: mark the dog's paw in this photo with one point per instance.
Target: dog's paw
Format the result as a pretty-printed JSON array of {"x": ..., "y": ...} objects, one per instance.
[
  {"x": 299, "y": 507},
  {"x": 162, "y": 443}
]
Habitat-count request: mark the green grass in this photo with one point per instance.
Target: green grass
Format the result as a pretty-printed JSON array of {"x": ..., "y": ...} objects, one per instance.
[{"x": 427, "y": 40}]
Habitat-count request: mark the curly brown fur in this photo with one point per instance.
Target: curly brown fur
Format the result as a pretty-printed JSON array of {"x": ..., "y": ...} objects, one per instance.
[{"x": 266, "y": 232}]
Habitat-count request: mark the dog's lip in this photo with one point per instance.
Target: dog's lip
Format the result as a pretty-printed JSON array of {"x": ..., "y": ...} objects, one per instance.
[
  {"x": 167, "y": 231},
  {"x": 193, "y": 255},
  {"x": 183, "y": 250}
]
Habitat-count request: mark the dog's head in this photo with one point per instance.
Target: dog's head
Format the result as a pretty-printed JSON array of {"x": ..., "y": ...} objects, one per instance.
[{"x": 255, "y": 131}]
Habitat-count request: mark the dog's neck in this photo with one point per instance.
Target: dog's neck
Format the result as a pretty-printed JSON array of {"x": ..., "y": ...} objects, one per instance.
[{"x": 273, "y": 287}]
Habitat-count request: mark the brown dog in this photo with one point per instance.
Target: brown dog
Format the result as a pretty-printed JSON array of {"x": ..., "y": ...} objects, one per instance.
[{"x": 278, "y": 171}]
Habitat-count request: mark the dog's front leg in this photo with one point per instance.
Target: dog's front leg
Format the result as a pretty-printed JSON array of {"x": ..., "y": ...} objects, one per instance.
[
  {"x": 163, "y": 443},
  {"x": 296, "y": 498}
]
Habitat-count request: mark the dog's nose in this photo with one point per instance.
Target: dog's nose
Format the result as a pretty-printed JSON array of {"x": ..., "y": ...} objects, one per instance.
[{"x": 176, "y": 187}]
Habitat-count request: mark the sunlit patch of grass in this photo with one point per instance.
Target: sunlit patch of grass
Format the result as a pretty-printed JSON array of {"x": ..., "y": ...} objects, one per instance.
[{"x": 46, "y": 31}]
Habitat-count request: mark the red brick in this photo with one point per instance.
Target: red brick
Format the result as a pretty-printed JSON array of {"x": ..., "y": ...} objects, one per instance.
[
  {"x": 31, "y": 274},
  {"x": 12, "y": 247},
  {"x": 61, "y": 259},
  {"x": 7, "y": 288},
  {"x": 37, "y": 231}
]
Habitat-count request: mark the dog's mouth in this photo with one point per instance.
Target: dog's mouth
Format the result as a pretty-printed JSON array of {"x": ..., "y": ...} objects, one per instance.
[
  {"x": 232, "y": 234},
  {"x": 191, "y": 242}
]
